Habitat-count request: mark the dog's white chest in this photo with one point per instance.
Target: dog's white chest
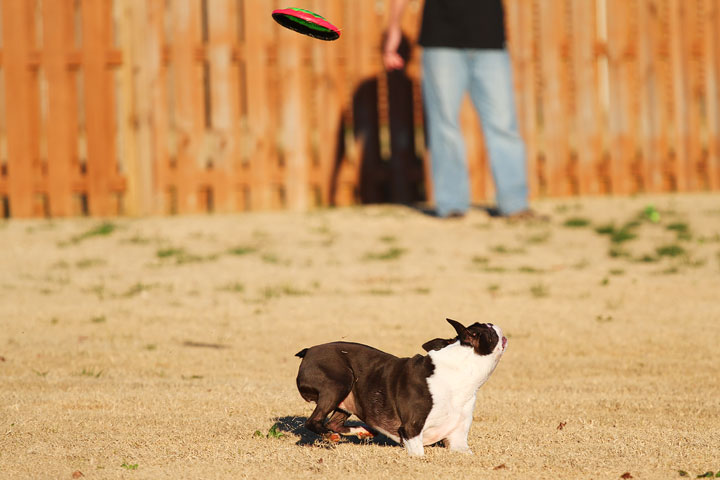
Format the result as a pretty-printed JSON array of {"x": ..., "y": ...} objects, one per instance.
[{"x": 453, "y": 385}]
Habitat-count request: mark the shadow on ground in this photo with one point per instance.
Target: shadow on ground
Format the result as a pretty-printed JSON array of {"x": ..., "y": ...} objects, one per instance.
[{"x": 296, "y": 426}]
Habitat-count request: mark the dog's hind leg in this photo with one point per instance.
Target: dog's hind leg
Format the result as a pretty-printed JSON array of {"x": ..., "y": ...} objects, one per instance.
[
  {"x": 337, "y": 422},
  {"x": 327, "y": 402}
]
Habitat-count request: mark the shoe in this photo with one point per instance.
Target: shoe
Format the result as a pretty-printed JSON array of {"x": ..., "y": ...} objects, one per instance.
[{"x": 453, "y": 215}]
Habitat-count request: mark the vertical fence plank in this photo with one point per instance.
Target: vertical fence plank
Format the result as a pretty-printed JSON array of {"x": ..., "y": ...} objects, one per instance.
[
  {"x": 17, "y": 34},
  {"x": 99, "y": 105},
  {"x": 678, "y": 166},
  {"x": 712, "y": 82},
  {"x": 622, "y": 120},
  {"x": 586, "y": 139},
  {"x": 62, "y": 116},
  {"x": 555, "y": 94},
  {"x": 187, "y": 97},
  {"x": 260, "y": 135},
  {"x": 695, "y": 93},
  {"x": 522, "y": 20},
  {"x": 224, "y": 100},
  {"x": 649, "y": 154}
]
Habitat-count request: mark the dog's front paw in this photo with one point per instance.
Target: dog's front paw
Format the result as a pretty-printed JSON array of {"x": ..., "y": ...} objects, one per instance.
[{"x": 414, "y": 447}]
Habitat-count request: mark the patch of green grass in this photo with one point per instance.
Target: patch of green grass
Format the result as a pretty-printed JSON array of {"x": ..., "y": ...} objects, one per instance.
[
  {"x": 540, "y": 290},
  {"x": 270, "y": 258},
  {"x": 392, "y": 253},
  {"x": 277, "y": 291},
  {"x": 502, "y": 249},
  {"x": 622, "y": 235},
  {"x": 41, "y": 374},
  {"x": 381, "y": 291},
  {"x": 670, "y": 251},
  {"x": 422, "y": 291},
  {"x": 182, "y": 257},
  {"x": 97, "y": 290},
  {"x": 608, "y": 229},
  {"x": 137, "y": 239},
  {"x": 136, "y": 289},
  {"x": 617, "y": 252},
  {"x": 528, "y": 269},
  {"x": 678, "y": 227},
  {"x": 91, "y": 372},
  {"x": 99, "y": 319},
  {"x": 90, "y": 262},
  {"x": 542, "y": 237},
  {"x": 150, "y": 347},
  {"x": 388, "y": 239},
  {"x": 647, "y": 258},
  {"x": 128, "y": 466},
  {"x": 681, "y": 229},
  {"x": 493, "y": 288},
  {"x": 274, "y": 432},
  {"x": 617, "y": 272},
  {"x": 576, "y": 222},
  {"x": 169, "y": 252},
  {"x": 102, "y": 230},
  {"x": 489, "y": 269},
  {"x": 235, "y": 287},
  {"x": 241, "y": 250},
  {"x": 479, "y": 260}
]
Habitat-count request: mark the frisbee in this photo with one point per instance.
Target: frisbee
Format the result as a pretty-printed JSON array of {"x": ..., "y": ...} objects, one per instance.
[{"x": 306, "y": 22}]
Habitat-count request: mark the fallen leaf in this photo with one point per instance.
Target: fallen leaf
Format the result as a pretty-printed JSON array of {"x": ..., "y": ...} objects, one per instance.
[
  {"x": 320, "y": 461},
  {"x": 626, "y": 475},
  {"x": 77, "y": 474},
  {"x": 500, "y": 467},
  {"x": 561, "y": 425},
  {"x": 2, "y": 359}
]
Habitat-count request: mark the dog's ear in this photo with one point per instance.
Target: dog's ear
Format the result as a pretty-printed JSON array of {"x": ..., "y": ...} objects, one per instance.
[
  {"x": 437, "y": 344},
  {"x": 461, "y": 331}
]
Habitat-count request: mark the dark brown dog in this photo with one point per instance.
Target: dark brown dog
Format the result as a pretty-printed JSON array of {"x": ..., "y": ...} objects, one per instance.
[{"x": 415, "y": 401}]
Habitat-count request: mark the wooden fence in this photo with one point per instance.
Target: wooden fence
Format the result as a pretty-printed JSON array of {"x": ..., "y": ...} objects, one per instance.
[{"x": 182, "y": 106}]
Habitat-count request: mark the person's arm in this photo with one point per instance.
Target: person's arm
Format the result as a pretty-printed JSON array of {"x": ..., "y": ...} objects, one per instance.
[{"x": 391, "y": 57}]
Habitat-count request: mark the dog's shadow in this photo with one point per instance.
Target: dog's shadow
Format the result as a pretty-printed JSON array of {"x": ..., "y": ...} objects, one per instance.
[{"x": 296, "y": 426}]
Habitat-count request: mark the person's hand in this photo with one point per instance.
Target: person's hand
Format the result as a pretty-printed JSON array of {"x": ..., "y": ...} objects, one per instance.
[{"x": 391, "y": 57}]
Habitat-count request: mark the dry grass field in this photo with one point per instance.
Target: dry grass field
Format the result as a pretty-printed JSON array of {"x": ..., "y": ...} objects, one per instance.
[{"x": 163, "y": 347}]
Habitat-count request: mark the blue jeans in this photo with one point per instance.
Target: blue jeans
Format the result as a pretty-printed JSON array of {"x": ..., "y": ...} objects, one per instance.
[{"x": 486, "y": 74}]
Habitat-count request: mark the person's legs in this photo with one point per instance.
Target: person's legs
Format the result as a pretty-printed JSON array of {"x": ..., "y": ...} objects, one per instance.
[
  {"x": 491, "y": 90},
  {"x": 444, "y": 82}
]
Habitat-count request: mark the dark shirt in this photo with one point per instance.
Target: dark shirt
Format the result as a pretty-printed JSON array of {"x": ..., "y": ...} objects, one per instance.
[{"x": 463, "y": 24}]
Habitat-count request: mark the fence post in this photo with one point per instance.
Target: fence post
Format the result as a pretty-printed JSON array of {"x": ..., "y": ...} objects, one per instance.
[{"x": 17, "y": 40}]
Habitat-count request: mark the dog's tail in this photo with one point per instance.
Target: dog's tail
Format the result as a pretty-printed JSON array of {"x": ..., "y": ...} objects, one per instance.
[{"x": 301, "y": 353}]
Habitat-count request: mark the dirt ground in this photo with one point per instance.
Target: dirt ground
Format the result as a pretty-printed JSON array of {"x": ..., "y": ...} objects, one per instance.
[{"x": 164, "y": 347}]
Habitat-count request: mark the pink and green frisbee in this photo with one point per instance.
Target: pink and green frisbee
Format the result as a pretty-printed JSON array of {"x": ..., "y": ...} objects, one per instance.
[{"x": 306, "y": 22}]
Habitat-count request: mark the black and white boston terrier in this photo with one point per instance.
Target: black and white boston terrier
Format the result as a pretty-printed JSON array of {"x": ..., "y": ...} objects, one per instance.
[{"x": 415, "y": 401}]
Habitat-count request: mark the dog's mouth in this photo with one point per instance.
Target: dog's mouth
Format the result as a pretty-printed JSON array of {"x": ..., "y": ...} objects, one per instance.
[{"x": 504, "y": 343}]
